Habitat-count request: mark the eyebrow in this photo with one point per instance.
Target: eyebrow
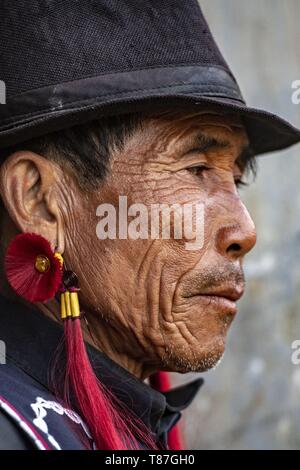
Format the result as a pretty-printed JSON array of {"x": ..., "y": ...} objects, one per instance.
[{"x": 202, "y": 143}]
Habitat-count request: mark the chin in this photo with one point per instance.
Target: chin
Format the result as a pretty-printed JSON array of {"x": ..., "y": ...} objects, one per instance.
[{"x": 190, "y": 359}]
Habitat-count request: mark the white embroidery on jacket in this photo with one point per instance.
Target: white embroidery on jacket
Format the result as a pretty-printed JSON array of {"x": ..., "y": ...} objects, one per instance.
[{"x": 41, "y": 405}]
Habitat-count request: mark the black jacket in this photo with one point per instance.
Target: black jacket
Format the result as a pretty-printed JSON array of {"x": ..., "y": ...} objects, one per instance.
[{"x": 30, "y": 417}]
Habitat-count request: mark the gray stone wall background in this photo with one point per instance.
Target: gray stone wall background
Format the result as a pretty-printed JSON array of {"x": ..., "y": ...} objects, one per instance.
[{"x": 252, "y": 400}]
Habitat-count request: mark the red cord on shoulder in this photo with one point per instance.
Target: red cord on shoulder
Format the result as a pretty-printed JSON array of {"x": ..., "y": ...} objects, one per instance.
[{"x": 161, "y": 382}]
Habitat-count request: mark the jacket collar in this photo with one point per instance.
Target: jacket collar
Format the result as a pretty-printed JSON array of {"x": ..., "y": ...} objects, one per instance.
[{"x": 31, "y": 340}]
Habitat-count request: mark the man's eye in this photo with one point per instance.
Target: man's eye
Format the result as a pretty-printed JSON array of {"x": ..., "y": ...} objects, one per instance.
[
  {"x": 240, "y": 183},
  {"x": 197, "y": 170}
]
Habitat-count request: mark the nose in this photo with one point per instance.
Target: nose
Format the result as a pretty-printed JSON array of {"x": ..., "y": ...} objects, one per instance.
[{"x": 237, "y": 236}]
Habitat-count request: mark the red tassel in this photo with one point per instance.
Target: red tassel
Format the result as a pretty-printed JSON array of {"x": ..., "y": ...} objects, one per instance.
[
  {"x": 112, "y": 425},
  {"x": 22, "y": 268}
]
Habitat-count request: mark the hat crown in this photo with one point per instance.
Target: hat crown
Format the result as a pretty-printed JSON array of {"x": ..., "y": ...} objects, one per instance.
[
  {"x": 49, "y": 42},
  {"x": 67, "y": 62}
]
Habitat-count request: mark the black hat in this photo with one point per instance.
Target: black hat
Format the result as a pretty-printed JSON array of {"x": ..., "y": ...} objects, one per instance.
[{"x": 66, "y": 62}]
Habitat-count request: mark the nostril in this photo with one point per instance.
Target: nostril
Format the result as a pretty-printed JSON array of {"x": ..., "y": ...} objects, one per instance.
[
  {"x": 234, "y": 247},
  {"x": 235, "y": 241}
]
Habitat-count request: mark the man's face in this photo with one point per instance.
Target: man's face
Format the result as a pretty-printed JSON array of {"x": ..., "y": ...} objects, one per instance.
[{"x": 170, "y": 306}]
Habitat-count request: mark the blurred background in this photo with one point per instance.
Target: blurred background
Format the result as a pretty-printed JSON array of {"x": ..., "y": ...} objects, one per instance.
[{"x": 252, "y": 400}]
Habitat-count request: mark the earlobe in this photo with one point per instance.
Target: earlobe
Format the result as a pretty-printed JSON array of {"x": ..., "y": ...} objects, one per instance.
[{"x": 27, "y": 183}]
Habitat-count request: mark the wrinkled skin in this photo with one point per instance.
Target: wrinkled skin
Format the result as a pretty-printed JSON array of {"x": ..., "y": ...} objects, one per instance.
[{"x": 150, "y": 304}]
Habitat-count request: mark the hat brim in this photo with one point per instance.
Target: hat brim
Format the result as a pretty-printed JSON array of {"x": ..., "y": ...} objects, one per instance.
[
  {"x": 58, "y": 107},
  {"x": 267, "y": 132}
]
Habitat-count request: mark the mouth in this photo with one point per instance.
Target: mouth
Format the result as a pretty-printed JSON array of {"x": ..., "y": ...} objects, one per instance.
[
  {"x": 224, "y": 300},
  {"x": 230, "y": 293}
]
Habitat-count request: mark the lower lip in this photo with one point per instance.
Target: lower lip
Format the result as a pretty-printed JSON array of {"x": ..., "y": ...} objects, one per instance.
[{"x": 222, "y": 304}]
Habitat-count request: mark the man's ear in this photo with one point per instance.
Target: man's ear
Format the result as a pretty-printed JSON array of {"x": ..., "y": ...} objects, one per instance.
[{"x": 29, "y": 189}]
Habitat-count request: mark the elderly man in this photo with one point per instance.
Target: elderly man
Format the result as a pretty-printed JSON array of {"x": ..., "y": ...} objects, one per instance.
[{"x": 109, "y": 99}]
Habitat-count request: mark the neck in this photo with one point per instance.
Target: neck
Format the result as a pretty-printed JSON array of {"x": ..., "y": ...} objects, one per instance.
[{"x": 99, "y": 334}]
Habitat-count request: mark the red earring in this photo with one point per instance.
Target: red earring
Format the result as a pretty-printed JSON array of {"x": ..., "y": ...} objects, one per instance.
[{"x": 32, "y": 269}]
